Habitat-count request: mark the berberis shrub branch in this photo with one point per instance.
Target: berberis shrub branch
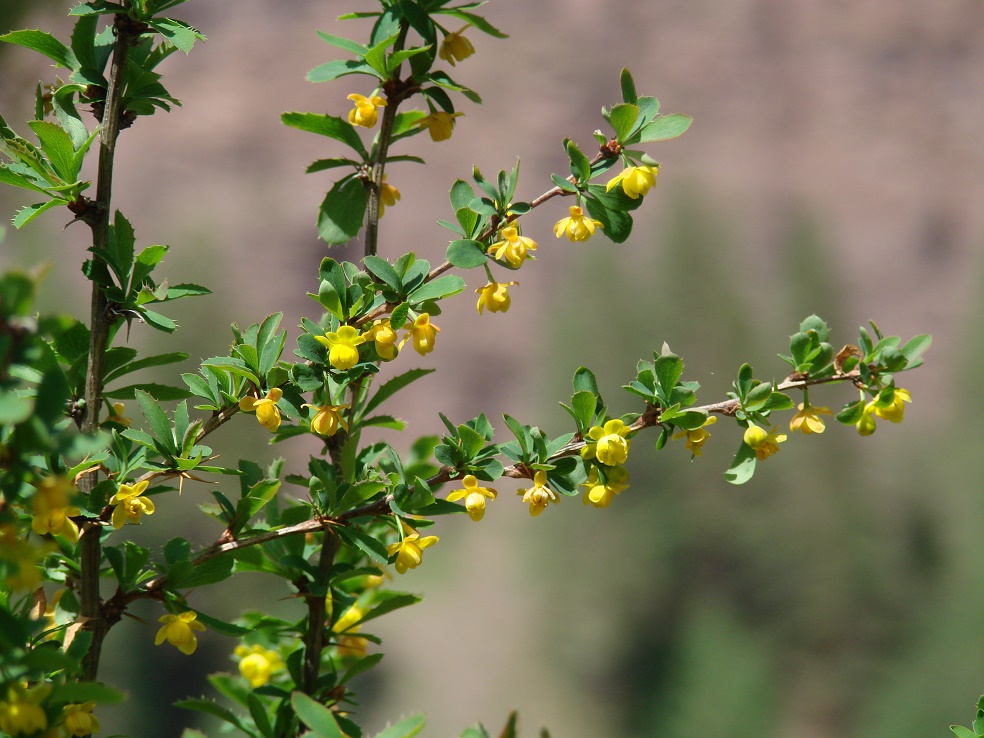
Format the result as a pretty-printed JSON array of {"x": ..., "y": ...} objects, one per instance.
[{"x": 87, "y": 453}]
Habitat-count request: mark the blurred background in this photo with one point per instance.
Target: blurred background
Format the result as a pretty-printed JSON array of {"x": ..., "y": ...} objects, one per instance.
[{"x": 834, "y": 166}]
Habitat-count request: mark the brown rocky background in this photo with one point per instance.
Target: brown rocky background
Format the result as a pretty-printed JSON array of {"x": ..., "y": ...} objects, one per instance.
[{"x": 835, "y": 165}]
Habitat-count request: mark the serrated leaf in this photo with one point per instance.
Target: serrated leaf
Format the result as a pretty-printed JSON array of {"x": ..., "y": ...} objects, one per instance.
[
  {"x": 316, "y": 716},
  {"x": 406, "y": 728},
  {"x": 43, "y": 43}
]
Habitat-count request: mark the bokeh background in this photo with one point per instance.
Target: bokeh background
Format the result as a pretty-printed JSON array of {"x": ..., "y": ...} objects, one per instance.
[{"x": 835, "y": 166}]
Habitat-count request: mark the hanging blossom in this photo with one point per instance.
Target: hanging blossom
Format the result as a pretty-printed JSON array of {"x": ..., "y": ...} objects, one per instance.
[
  {"x": 388, "y": 195},
  {"x": 267, "y": 413},
  {"x": 635, "y": 181},
  {"x": 21, "y": 713},
  {"x": 495, "y": 297},
  {"x": 179, "y": 631},
  {"x": 258, "y": 664},
  {"x": 440, "y": 125},
  {"x": 697, "y": 437},
  {"x": 474, "y": 497},
  {"x": 764, "y": 443},
  {"x": 608, "y": 444},
  {"x": 22, "y": 559},
  {"x": 366, "y": 110},
  {"x": 117, "y": 417},
  {"x": 423, "y": 333},
  {"x": 539, "y": 495},
  {"x": 381, "y": 333},
  {"x": 130, "y": 505},
  {"x": 79, "y": 719},
  {"x": 52, "y": 513},
  {"x": 455, "y": 47},
  {"x": 343, "y": 346},
  {"x": 328, "y": 419},
  {"x": 346, "y": 627},
  {"x": 895, "y": 410},
  {"x": 600, "y": 492},
  {"x": 576, "y": 226},
  {"x": 409, "y": 551},
  {"x": 512, "y": 248},
  {"x": 808, "y": 419}
]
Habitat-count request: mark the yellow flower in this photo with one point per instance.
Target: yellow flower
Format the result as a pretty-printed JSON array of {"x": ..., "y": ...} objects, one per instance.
[
  {"x": 495, "y": 297},
  {"x": 423, "y": 333},
  {"x": 808, "y": 419},
  {"x": 347, "y": 643},
  {"x": 576, "y": 226},
  {"x": 697, "y": 437},
  {"x": 342, "y": 345},
  {"x": 382, "y": 334},
  {"x": 22, "y": 558},
  {"x": 455, "y": 47},
  {"x": 439, "y": 124},
  {"x": 636, "y": 181},
  {"x": 79, "y": 719},
  {"x": 866, "y": 423},
  {"x": 21, "y": 713},
  {"x": 258, "y": 664},
  {"x": 327, "y": 419},
  {"x": 474, "y": 497},
  {"x": 349, "y": 619},
  {"x": 179, "y": 631},
  {"x": 129, "y": 505},
  {"x": 117, "y": 417},
  {"x": 52, "y": 511},
  {"x": 512, "y": 248},
  {"x": 895, "y": 410},
  {"x": 388, "y": 195},
  {"x": 600, "y": 493},
  {"x": 763, "y": 443},
  {"x": 409, "y": 551},
  {"x": 608, "y": 444},
  {"x": 539, "y": 495},
  {"x": 365, "y": 113},
  {"x": 267, "y": 413}
]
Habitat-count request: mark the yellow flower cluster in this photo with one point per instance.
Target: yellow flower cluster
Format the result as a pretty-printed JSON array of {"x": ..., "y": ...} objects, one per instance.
[{"x": 258, "y": 664}]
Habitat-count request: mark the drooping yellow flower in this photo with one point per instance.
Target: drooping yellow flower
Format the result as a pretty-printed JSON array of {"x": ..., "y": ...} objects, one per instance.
[
  {"x": 79, "y": 719},
  {"x": 117, "y": 417},
  {"x": 366, "y": 110},
  {"x": 636, "y": 181},
  {"x": 608, "y": 444},
  {"x": 423, "y": 333},
  {"x": 349, "y": 619},
  {"x": 388, "y": 195},
  {"x": 763, "y": 443},
  {"x": 600, "y": 493},
  {"x": 267, "y": 413},
  {"x": 258, "y": 664},
  {"x": 52, "y": 511},
  {"x": 866, "y": 423},
  {"x": 512, "y": 248},
  {"x": 539, "y": 495},
  {"x": 327, "y": 419},
  {"x": 455, "y": 47},
  {"x": 895, "y": 410},
  {"x": 23, "y": 560},
  {"x": 576, "y": 225},
  {"x": 129, "y": 505},
  {"x": 697, "y": 437},
  {"x": 808, "y": 419},
  {"x": 346, "y": 627},
  {"x": 382, "y": 334},
  {"x": 409, "y": 551},
  {"x": 495, "y": 297},
  {"x": 179, "y": 631},
  {"x": 440, "y": 125},
  {"x": 474, "y": 497},
  {"x": 21, "y": 713},
  {"x": 342, "y": 345}
]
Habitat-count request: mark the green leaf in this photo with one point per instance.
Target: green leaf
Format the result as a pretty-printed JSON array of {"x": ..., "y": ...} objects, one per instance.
[
  {"x": 342, "y": 212},
  {"x": 622, "y": 118},
  {"x": 145, "y": 363},
  {"x": 178, "y": 33},
  {"x": 85, "y": 692},
  {"x": 220, "y": 626},
  {"x": 326, "y": 125},
  {"x": 344, "y": 43},
  {"x": 580, "y": 166},
  {"x": 628, "y": 87},
  {"x": 384, "y": 271},
  {"x": 584, "y": 380},
  {"x": 665, "y": 127},
  {"x": 185, "y": 574},
  {"x": 565, "y": 184},
  {"x": 160, "y": 392},
  {"x": 316, "y": 716},
  {"x": 388, "y": 389},
  {"x": 742, "y": 466},
  {"x": 461, "y": 194},
  {"x": 449, "y": 284},
  {"x": 210, "y": 708},
  {"x": 160, "y": 426},
  {"x": 258, "y": 495},
  {"x": 915, "y": 348},
  {"x": 26, "y": 214},
  {"x": 406, "y": 728},
  {"x": 338, "y": 68},
  {"x": 57, "y": 147},
  {"x": 43, "y": 43},
  {"x": 466, "y": 254},
  {"x": 961, "y": 732}
]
